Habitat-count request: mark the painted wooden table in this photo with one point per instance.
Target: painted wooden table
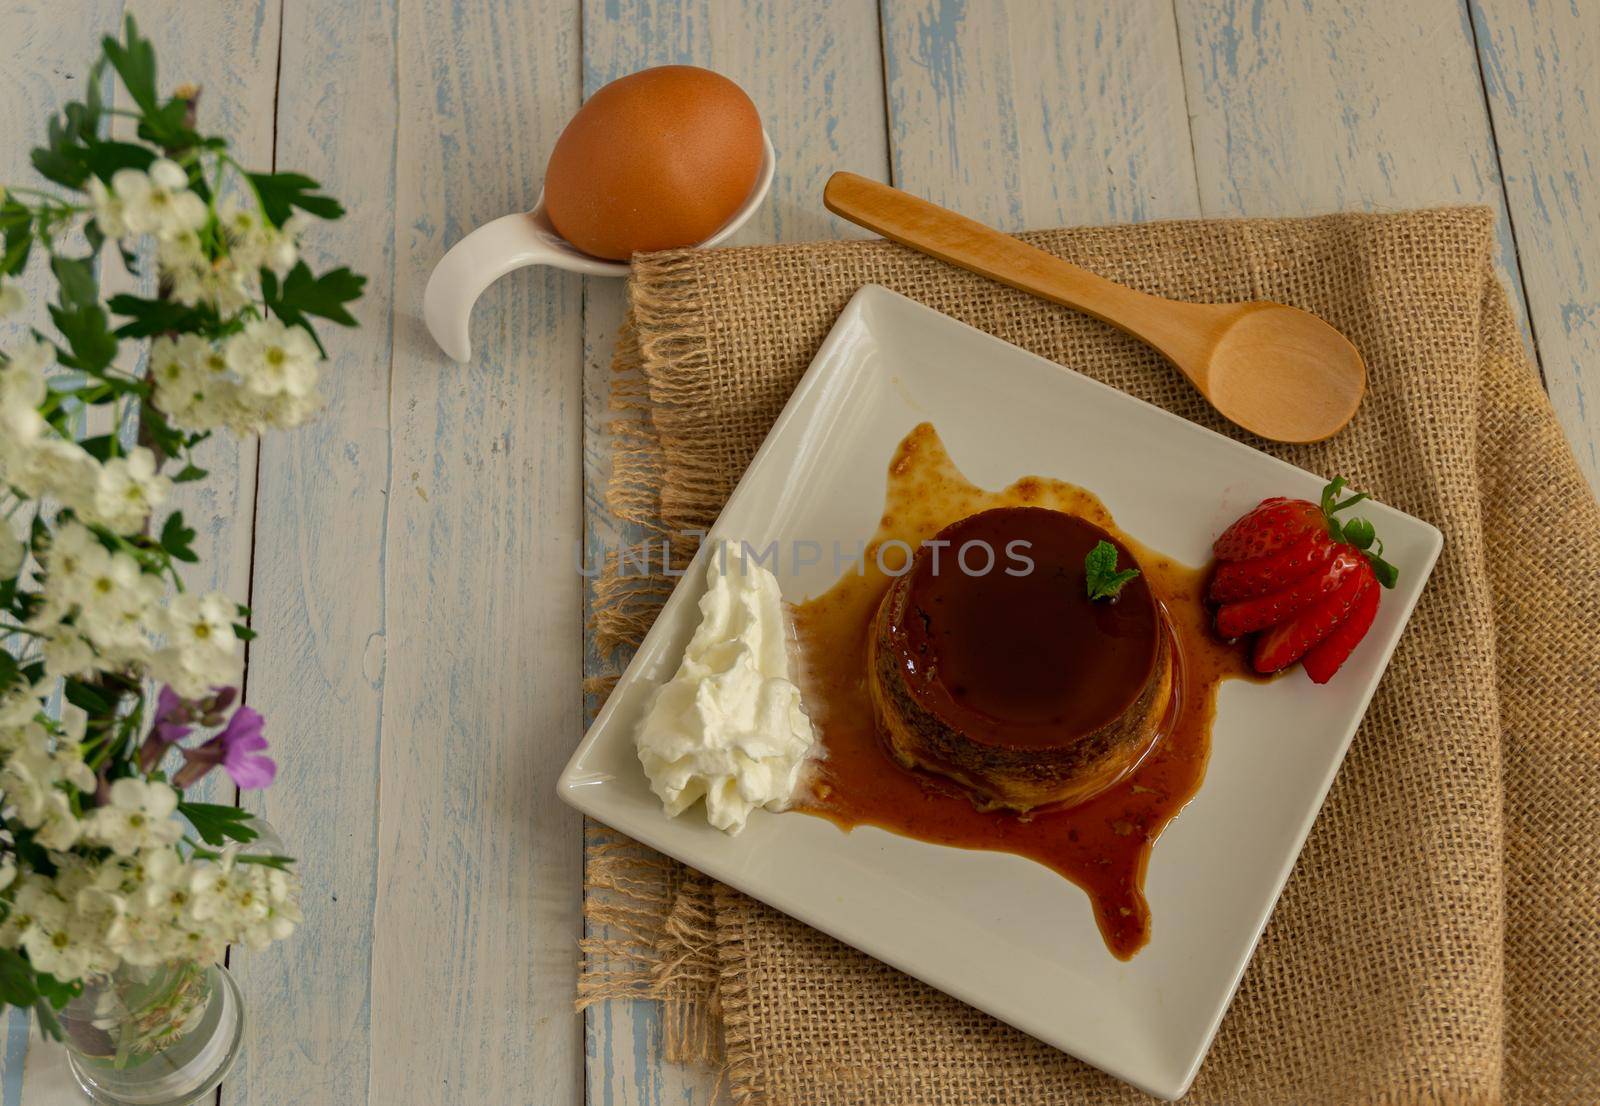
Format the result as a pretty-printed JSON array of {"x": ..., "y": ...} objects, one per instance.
[{"x": 412, "y": 557}]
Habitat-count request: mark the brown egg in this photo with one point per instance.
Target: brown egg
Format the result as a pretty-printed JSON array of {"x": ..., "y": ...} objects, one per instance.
[{"x": 655, "y": 160}]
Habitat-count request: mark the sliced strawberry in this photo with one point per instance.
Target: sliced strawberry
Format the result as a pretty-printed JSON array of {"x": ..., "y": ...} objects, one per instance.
[
  {"x": 1274, "y": 525},
  {"x": 1249, "y": 615},
  {"x": 1286, "y": 643},
  {"x": 1237, "y": 580},
  {"x": 1323, "y": 661}
]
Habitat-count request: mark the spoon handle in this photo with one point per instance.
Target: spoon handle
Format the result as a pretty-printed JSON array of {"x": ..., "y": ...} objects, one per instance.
[{"x": 1183, "y": 332}]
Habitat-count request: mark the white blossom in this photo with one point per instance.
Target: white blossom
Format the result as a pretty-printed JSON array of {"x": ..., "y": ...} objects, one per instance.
[
  {"x": 272, "y": 359},
  {"x": 126, "y": 490},
  {"x": 138, "y": 816},
  {"x": 108, "y": 210},
  {"x": 199, "y": 654},
  {"x": 158, "y": 202},
  {"x": 195, "y": 277},
  {"x": 192, "y": 387},
  {"x": 12, "y": 301},
  {"x": 13, "y": 551}
]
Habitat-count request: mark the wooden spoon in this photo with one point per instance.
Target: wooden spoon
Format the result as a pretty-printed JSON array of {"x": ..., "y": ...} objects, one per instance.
[{"x": 1276, "y": 371}]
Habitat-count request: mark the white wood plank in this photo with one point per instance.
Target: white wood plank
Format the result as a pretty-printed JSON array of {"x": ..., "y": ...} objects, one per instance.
[
  {"x": 814, "y": 73},
  {"x": 316, "y": 671},
  {"x": 1302, "y": 108},
  {"x": 1024, "y": 114},
  {"x": 1541, "y": 70},
  {"x": 475, "y": 945}
]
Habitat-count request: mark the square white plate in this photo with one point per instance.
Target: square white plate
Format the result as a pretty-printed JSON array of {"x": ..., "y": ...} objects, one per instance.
[{"x": 997, "y": 931}]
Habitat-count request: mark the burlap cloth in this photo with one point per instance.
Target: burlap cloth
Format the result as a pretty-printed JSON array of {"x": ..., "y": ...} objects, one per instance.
[{"x": 1439, "y": 941}]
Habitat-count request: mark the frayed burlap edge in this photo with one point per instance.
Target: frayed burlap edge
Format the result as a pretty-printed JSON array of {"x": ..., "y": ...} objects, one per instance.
[{"x": 650, "y": 925}]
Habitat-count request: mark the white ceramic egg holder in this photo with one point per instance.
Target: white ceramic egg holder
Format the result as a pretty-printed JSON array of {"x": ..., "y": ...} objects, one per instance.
[{"x": 528, "y": 238}]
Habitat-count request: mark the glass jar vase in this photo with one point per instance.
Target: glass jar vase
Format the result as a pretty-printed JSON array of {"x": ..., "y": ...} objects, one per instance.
[{"x": 162, "y": 1036}]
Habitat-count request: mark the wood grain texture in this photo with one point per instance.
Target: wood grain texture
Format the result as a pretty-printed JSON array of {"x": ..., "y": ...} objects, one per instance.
[
  {"x": 814, "y": 72},
  {"x": 1306, "y": 107},
  {"x": 1541, "y": 72},
  {"x": 475, "y": 944},
  {"x": 1026, "y": 114},
  {"x": 316, "y": 672}
]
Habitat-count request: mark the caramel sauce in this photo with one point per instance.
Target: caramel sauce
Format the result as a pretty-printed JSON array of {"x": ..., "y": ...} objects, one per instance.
[{"x": 1102, "y": 845}]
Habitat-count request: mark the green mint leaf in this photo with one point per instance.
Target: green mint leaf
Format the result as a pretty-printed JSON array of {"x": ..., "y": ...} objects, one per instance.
[
  {"x": 1101, "y": 578},
  {"x": 282, "y": 192},
  {"x": 176, "y": 539},
  {"x": 216, "y": 824},
  {"x": 134, "y": 59}
]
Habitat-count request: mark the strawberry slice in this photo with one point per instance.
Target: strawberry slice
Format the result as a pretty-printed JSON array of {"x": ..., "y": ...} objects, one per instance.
[
  {"x": 1274, "y": 525},
  {"x": 1287, "y": 642},
  {"x": 1323, "y": 661},
  {"x": 1237, "y": 580},
  {"x": 1249, "y": 615}
]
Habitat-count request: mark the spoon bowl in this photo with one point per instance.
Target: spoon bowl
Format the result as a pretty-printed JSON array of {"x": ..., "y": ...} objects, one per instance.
[
  {"x": 529, "y": 238},
  {"x": 1284, "y": 373}
]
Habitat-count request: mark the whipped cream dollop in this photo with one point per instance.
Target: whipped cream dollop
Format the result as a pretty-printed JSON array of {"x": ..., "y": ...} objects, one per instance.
[{"x": 729, "y": 726}]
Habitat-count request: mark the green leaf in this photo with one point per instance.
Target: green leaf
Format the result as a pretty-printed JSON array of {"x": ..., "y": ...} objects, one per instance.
[
  {"x": 273, "y": 860},
  {"x": 93, "y": 345},
  {"x": 91, "y": 699},
  {"x": 302, "y": 294},
  {"x": 105, "y": 158},
  {"x": 216, "y": 824},
  {"x": 49, "y": 1024},
  {"x": 151, "y": 317},
  {"x": 282, "y": 192},
  {"x": 1386, "y": 573},
  {"x": 16, "y": 222},
  {"x": 17, "y": 986},
  {"x": 1359, "y": 533},
  {"x": 189, "y": 474},
  {"x": 55, "y": 991},
  {"x": 1101, "y": 578},
  {"x": 135, "y": 62},
  {"x": 75, "y": 275},
  {"x": 102, "y": 447},
  {"x": 9, "y": 670},
  {"x": 64, "y": 160},
  {"x": 176, "y": 539},
  {"x": 243, "y": 632},
  {"x": 154, "y": 426}
]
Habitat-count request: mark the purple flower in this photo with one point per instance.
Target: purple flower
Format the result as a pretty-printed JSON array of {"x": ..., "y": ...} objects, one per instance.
[
  {"x": 168, "y": 728},
  {"x": 236, "y": 748},
  {"x": 171, "y": 713}
]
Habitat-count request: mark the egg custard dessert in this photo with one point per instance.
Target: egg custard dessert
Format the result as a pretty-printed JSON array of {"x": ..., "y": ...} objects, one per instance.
[
  {"x": 1055, "y": 703},
  {"x": 1003, "y": 673}
]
